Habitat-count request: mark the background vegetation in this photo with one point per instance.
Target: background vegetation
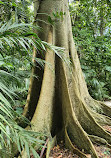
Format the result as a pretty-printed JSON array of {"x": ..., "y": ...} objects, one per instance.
[
  {"x": 91, "y": 24},
  {"x": 91, "y": 27}
]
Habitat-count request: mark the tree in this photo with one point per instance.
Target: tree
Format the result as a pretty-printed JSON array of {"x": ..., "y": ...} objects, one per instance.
[
  {"x": 58, "y": 103},
  {"x": 93, "y": 47},
  {"x": 17, "y": 10}
]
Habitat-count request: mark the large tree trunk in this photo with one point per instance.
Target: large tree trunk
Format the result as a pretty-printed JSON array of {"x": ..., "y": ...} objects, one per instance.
[{"x": 58, "y": 102}]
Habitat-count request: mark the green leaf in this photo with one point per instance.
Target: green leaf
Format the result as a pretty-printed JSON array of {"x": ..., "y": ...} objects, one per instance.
[
  {"x": 18, "y": 141},
  {"x": 108, "y": 68},
  {"x": 14, "y": 4},
  {"x": 6, "y": 111},
  {"x": 4, "y": 119},
  {"x": 35, "y": 154},
  {"x": 1, "y": 2},
  {"x": 50, "y": 20},
  {"x": 27, "y": 149}
]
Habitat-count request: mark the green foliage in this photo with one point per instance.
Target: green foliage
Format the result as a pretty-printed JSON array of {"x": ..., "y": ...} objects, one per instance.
[
  {"x": 19, "y": 10},
  {"x": 10, "y": 133},
  {"x": 16, "y": 52},
  {"x": 92, "y": 33},
  {"x": 55, "y": 17},
  {"x": 16, "y": 47}
]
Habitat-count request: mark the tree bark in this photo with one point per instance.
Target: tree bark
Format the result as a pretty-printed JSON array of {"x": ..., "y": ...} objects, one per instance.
[{"x": 59, "y": 103}]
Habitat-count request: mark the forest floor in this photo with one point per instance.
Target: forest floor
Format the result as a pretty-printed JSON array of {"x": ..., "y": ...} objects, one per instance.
[{"x": 60, "y": 151}]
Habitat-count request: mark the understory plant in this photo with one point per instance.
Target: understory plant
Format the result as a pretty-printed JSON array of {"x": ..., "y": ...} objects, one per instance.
[
  {"x": 15, "y": 63},
  {"x": 16, "y": 46}
]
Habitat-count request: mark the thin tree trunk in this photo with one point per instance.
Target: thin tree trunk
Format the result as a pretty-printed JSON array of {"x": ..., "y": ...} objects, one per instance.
[{"x": 101, "y": 19}]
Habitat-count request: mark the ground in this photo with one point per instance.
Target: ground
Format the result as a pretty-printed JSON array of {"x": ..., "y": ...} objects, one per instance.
[
  {"x": 103, "y": 152},
  {"x": 59, "y": 151}
]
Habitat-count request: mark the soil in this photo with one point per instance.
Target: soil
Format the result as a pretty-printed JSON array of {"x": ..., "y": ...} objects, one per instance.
[{"x": 60, "y": 151}]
